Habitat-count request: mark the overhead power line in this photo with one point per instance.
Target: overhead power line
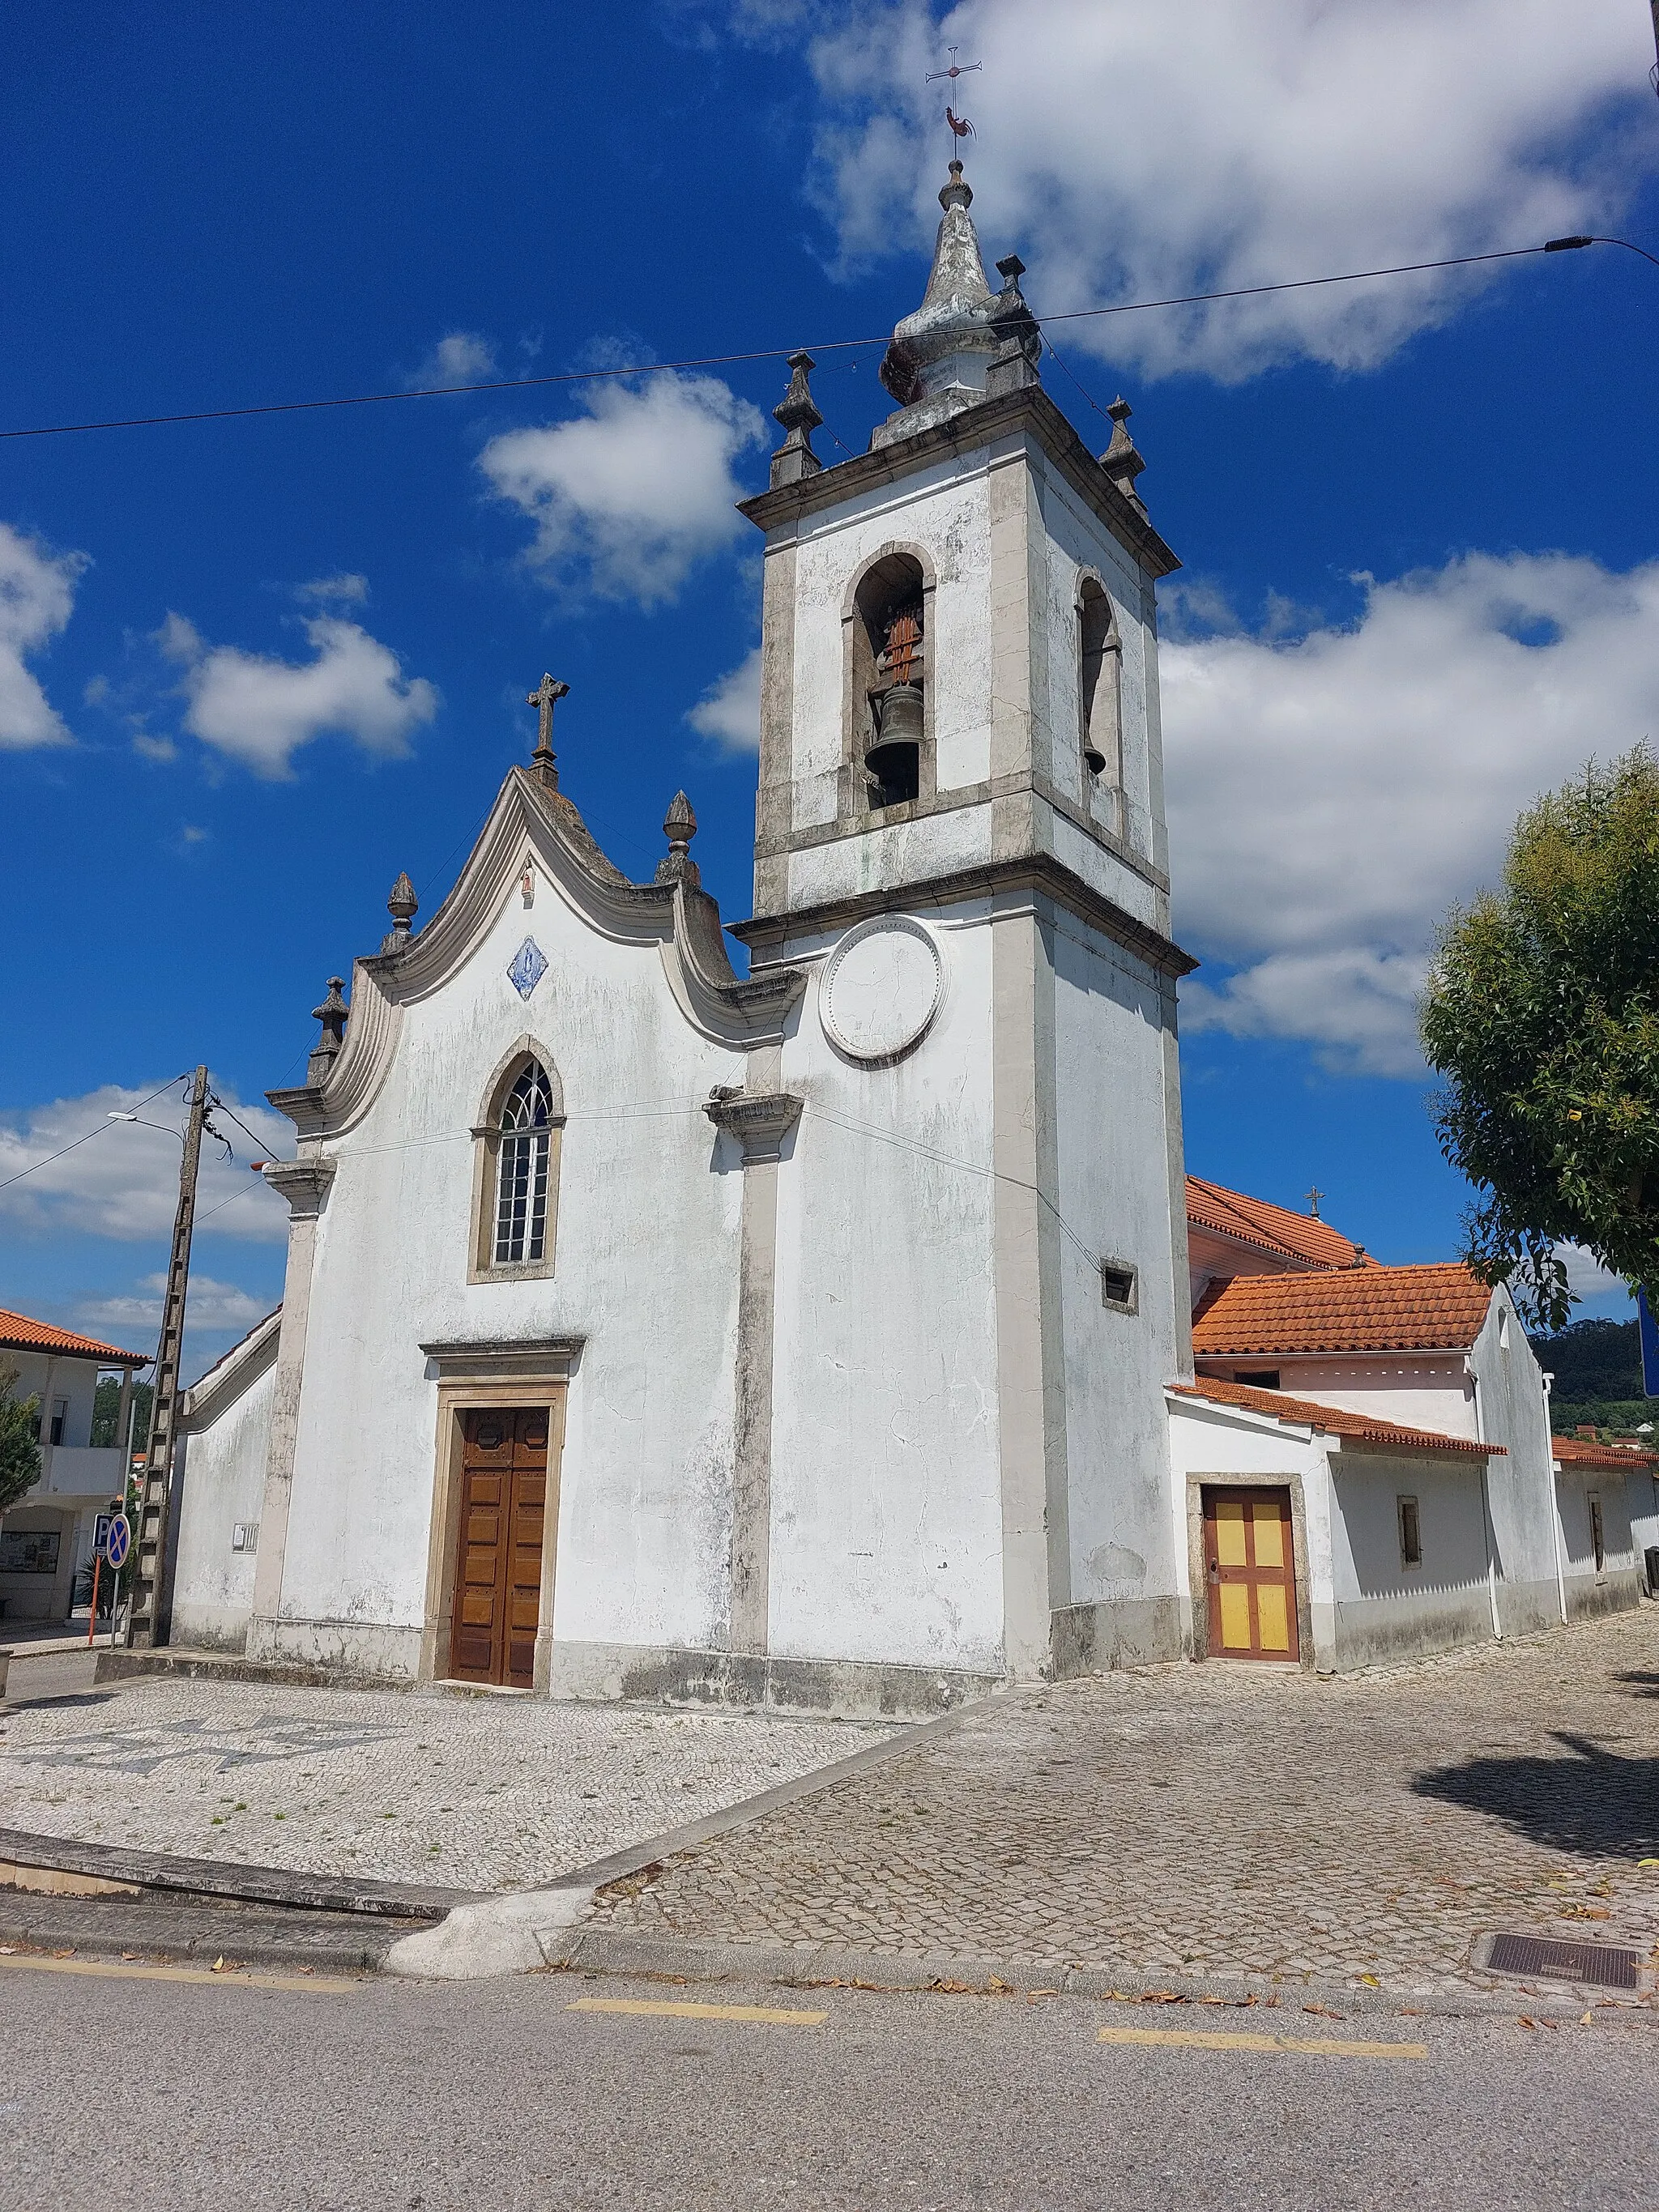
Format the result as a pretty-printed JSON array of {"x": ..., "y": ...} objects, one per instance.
[
  {"x": 781, "y": 353},
  {"x": 97, "y": 1132}
]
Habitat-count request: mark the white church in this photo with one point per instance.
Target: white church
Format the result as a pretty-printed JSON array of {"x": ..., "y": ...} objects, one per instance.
[{"x": 821, "y": 1337}]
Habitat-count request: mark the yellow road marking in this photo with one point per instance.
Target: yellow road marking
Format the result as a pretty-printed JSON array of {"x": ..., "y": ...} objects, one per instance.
[
  {"x": 134, "y": 1972},
  {"x": 655, "y": 2008},
  {"x": 1198, "y": 2038}
]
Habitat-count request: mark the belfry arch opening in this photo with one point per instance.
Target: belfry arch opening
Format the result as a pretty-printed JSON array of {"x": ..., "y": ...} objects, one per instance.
[
  {"x": 890, "y": 679},
  {"x": 1101, "y": 673}
]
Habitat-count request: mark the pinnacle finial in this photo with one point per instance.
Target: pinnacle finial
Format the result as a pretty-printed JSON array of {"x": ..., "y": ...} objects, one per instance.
[
  {"x": 403, "y": 906},
  {"x": 794, "y": 457},
  {"x": 679, "y": 826},
  {"x": 958, "y": 192},
  {"x": 332, "y": 1014},
  {"x": 544, "y": 698},
  {"x": 1019, "y": 346}
]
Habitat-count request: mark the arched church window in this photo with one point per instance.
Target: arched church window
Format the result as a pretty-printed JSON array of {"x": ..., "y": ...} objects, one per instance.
[
  {"x": 1101, "y": 651},
  {"x": 524, "y": 1171},
  {"x": 890, "y": 679}
]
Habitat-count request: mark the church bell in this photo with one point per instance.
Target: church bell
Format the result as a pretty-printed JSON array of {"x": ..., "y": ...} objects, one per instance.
[{"x": 894, "y": 756}]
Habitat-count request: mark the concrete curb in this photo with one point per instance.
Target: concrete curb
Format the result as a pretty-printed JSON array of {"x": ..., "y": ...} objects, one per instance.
[
  {"x": 603, "y": 1951},
  {"x": 219, "y": 1878}
]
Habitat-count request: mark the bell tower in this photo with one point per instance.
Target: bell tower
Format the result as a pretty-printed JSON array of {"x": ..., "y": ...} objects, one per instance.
[{"x": 960, "y": 831}]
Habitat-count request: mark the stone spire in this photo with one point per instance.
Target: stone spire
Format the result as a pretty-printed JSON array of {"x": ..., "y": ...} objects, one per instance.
[
  {"x": 403, "y": 906},
  {"x": 794, "y": 457},
  {"x": 679, "y": 826},
  {"x": 938, "y": 359},
  {"x": 1120, "y": 461},
  {"x": 332, "y": 1014}
]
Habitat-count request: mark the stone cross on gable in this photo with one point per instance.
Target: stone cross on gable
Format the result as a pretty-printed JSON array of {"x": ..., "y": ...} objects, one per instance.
[{"x": 544, "y": 698}]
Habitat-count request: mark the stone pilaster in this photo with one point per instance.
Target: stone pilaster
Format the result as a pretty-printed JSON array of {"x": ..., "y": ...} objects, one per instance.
[
  {"x": 305, "y": 1184},
  {"x": 760, "y": 1120}
]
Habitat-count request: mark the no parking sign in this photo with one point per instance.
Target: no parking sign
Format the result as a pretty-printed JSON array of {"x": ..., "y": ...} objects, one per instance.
[{"x": 117, "y": 1539}]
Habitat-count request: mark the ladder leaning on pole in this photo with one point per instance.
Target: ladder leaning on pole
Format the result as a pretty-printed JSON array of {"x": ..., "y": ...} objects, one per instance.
[{"x": 146, "y": 1626}]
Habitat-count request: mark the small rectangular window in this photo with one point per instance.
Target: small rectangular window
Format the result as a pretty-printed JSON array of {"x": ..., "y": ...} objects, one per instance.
[
  {"x": 59, "y": 1418},
  {"x": 1411, "y": 1535},
  {"x": 1258, "y": 1378},
  {"x": 1117, "y": 1286},
  {"x": 1597, "y": 1543}
]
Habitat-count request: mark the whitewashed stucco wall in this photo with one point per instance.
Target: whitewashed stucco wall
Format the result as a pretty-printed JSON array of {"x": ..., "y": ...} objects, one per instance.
[
  {"x": 886, "y": 1516},
  {"x": 1615, "y": 1586},
  {"x": 222, "y": 1478},
  {"x": 1111, "y": 1112},
  {"x": 1383, "y": 1609},
  {"x": 646, "y": 1272}
]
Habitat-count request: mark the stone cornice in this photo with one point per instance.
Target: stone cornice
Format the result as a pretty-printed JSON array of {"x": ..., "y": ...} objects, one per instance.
[
  {"x": 1028, "y": 409},
  {"x": 494, "y": 1359},
  {"x": 225, "y": 1382},
  {"x": 530, "y": 825},
  {"x": 304, "y": 1183},
  {"x": 1035, "y": 873},
  {"x": 760, "y": 1121}
]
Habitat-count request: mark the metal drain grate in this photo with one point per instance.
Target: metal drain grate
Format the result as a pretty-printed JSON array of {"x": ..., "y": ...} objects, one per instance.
[{"x": 1603, "y": 1964}]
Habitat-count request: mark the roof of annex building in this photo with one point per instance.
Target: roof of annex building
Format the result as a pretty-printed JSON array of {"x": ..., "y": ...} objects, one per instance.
[
  {"x": 1437, "y": 1308},
  {"x": 1586, "y": 1451},
  {"x": 1268, "y": 1228},
  {"x": 19, "y": 1334},
  {"x": 1332, "y": 1420}
]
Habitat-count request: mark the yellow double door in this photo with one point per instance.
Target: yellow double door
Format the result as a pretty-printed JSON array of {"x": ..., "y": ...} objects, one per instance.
[{"x": 1250, "y": 1563}]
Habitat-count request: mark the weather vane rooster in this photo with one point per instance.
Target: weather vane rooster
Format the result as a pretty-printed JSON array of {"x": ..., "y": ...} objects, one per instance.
[{"x": 960, "y": 126}]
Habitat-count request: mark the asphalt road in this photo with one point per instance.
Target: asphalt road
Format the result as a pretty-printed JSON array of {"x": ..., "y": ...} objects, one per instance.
[{"x": 117, "y": 2090}]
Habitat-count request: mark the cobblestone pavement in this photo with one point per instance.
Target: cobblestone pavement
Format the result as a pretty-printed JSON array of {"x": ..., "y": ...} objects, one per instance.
[
  {"x": 1217, "y": 1820},
  {"x": 467, "y": 1793}
]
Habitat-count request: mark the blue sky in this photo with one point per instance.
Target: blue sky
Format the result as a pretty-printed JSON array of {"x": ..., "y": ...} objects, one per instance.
[{"x": 250, "y": 669}]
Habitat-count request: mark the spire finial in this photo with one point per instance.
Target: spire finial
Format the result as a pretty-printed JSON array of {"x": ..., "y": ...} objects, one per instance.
[
  {"x": 403, "y": 906},
  {"x": 332, "y": 1014},
  {"x": 1014, "y": 364},
  {"x": 679, "y": 826},
  {"x": 544, "y": 698},
  {"x": 1120, "y": 461},
  {"x": 1314, "y": 1197},
  {"x": 794, "y": 457}
]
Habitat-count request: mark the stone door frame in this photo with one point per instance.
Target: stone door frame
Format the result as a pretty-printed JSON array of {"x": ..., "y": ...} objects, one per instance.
[{"x": 1198, "y": 1565}]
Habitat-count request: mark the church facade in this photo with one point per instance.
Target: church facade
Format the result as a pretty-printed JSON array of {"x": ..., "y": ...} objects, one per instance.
[{"x": 814, "y": 1337}]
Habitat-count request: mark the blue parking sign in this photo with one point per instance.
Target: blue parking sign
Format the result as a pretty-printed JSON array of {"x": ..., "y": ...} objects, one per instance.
[{"x": 1649, "y": 1336}]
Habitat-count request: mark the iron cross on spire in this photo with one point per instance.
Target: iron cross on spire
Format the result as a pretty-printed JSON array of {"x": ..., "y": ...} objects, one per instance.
[
  {"x": 960, "y": 126},
  {"x": 546, "y": 696}
]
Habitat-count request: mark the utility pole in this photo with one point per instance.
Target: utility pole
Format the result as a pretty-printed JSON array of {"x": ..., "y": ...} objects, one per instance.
[{"x": 145, "y": 1626}]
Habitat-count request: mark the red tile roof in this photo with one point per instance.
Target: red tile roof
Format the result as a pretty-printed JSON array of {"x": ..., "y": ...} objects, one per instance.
[
  {"x": 1270, "y": 1228},
  {"x": 1579, "y": 1451},
  {"x": 1363, "y": 1428},
  {"x": 19, "y": 1334},
  {"x": 1359, "y": 1309}
]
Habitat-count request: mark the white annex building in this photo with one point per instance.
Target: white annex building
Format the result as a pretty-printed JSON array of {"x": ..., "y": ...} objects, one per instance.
[{"x": 821, "y": 1336}]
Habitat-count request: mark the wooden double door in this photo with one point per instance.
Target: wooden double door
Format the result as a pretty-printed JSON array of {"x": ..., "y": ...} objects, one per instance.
[
  {"x": 1250, "y": 1559},
  {"x": 498, "y": 1563}
]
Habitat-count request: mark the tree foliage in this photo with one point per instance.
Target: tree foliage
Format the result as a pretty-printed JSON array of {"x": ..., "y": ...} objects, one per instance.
[
  {"x": 1542, "y": 1013},
  {"x": 20, "y": 1447}
]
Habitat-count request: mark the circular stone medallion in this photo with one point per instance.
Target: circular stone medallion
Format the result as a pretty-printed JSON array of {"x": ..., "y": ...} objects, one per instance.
[{"x": 881, "y": 988}]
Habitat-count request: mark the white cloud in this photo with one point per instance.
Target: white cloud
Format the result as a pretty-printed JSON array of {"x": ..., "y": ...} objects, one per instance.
[
  {"x": 637, "y": 491},
  {"x": 729, "y": 710},
  {"x": 261, "y": 710},
  {"x": 37, "y": 596},
  {"x": 208, "y": 1305},
  {"x": 461, "y": 357},
  {"x": 346, "y": 589},
  {"x": 1330, "y": 799},
  {"x": 1134, "y": 151},
  {"x": 124, "y": 1181},
  {"x": 1586, "y": 1276}
]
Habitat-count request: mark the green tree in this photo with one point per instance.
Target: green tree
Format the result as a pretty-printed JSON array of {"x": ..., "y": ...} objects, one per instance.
[
  {"x": 1542, "y": 1013},
  {"x": 20, "y": 1445}
]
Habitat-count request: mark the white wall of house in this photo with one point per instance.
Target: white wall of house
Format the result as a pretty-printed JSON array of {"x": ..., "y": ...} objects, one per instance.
[
  {"x": 1641, "y": 1503},
  {"x": 1384, "y": 1609},
  {"x": 1614, "y": 1585},
  {"x": 78, "y": 1481}
]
